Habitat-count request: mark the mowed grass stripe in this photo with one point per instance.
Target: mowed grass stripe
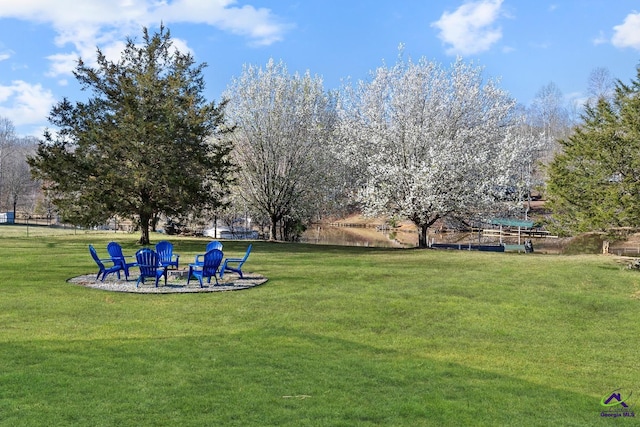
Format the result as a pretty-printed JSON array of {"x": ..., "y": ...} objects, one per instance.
[{"x": 338, "y": 336}]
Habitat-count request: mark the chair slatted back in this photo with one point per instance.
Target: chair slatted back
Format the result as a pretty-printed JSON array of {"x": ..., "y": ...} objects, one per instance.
[
  {"x": 148, "y": 262},
  {"x": 95, "y": 257},
  {"x": 246, "y": 255},
  {"x": 115, "y": 251},
  {"x": 212, "y": 261},
  {"x": 213, "y": 245},
  {"x": 164, "y": 249}
]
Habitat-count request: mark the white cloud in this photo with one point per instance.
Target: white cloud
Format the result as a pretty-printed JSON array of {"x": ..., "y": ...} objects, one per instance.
[
  {"x": 24, "y": 103},
  {"x": 257, "y": 24},
  {"x": 5, "y": 54},
  {"x": 82, "y": 26},
  {"x": 470, "y": 28},
  {"x": 627, "y": 34},
  {"x": 600, "y": 39},
  {"x": 62, "y": 63},
  {"x": 105, "y": 23}
]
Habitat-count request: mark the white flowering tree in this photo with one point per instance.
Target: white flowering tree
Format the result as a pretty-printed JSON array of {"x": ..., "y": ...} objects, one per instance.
[
  {"x": 283, "y": 128},
  {"x": 430, "y": 142}
]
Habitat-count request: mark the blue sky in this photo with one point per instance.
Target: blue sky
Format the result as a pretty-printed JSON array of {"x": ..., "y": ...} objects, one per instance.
[{"x": 527, "y": 44}]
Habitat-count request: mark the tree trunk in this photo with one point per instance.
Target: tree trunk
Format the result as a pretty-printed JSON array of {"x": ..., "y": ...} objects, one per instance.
[
  {"x": 154, "y": 222},
  {"x": 285, "y": 230},
  {"x": 144, "y": 230},
  {"x": 422, "y": 223},
  {"x": 273, "y": 229},
  {"x": 423, "y": 238}
]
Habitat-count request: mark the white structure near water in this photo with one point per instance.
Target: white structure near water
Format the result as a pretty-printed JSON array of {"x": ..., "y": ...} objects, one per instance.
[
  {"x": 6, "y": 218},
  {"x": 235, "y": 233}
]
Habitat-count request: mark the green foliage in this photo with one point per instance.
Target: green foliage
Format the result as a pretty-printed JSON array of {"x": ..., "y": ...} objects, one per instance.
[
  {"x": 594, "y": 183},
  {"x": 145, "y": 143},
  {"x": 589, "y": 243},
  {"x": 339, "y": 336}
]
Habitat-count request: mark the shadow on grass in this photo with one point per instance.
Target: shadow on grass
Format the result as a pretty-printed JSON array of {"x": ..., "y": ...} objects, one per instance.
[{"x": 266, "y": 376}]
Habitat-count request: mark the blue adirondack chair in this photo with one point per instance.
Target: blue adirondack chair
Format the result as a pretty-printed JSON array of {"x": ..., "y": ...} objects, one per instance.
[
  {"x": 238, "y": 263},
  {"x": 150, "y": 267},
  {"x": 118, "y": 258},
  {"x": 208, "y": 268},
  {"x": 103, "y": 270},
  {"x": 214, "y": 244},
  {"x": 168, "y": 259}
]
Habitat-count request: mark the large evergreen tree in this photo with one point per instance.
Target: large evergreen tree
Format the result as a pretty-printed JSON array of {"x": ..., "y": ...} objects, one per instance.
[
  {"x": 594, "y": 183},
  {"x": 145, "y": 143}
]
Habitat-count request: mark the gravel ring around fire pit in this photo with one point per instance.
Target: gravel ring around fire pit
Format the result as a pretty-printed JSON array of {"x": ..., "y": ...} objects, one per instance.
[{"x": 176, "y": 283}]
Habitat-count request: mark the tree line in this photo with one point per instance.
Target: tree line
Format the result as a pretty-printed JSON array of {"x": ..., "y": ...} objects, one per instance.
[
  {"x": 18, "y": 191},
  {"x": 417, "y": 141}
]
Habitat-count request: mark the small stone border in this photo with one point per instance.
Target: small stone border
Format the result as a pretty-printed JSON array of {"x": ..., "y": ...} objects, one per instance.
[{"x": 176, "y": 283}]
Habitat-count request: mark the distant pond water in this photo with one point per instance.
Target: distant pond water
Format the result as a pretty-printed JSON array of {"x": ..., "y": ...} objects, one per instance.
[
  {"x": 371, "y": 236},
  {"x": 323, "y": 234}
]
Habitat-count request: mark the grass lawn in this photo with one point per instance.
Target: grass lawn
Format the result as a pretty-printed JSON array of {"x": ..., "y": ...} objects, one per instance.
[{"x": 338, "y": 336}]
